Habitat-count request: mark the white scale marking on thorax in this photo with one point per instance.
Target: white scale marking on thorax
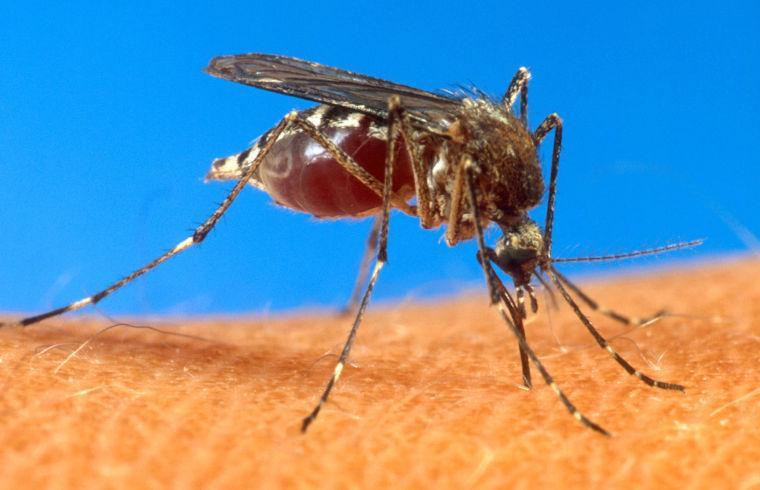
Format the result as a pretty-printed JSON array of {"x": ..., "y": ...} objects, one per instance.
[
  {"x": 315, "y": 118},
  {"x": 438, "y": 174},
  {"x": 353, "y": 120}
]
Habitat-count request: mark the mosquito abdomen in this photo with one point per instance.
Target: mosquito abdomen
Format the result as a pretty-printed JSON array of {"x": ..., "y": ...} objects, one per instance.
[{"x": 302, "y": 175}]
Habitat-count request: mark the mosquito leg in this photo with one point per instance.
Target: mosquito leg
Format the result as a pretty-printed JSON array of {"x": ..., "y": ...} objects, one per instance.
[
  {"x": 520, "y": 325},
  {"x": 520, "y": 294},
  {"x": 518, "y": 85},
  {"x": 603, "y": 342},
  {"x": 456, "y": 211},
  {"x": 524, "y": 359},
  {"x": 619, "y": 317},
  {"x": 394, "y": 113},
  {"x": 425, "y": 194},
  {"x": 508, "y": 310},
  {"x": 197, "y": 237},
  {"x": 361, "y": 277},
  {"x": 552, "y": 121},
  {"x": 532, "y": 296},
  {"x": 517, "y": 317}
]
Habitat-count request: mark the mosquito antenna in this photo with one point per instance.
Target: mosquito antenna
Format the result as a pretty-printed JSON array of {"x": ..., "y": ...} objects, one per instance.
[{"x": 636, "y": 253}]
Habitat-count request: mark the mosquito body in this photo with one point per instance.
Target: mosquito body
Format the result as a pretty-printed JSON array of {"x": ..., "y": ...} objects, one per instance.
[
  {"x": 459, "y": 160},
  {"x": 301, "y": 174}
]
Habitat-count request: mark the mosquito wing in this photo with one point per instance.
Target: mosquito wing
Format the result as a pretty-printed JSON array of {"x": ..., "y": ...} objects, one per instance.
[{"x": 334, "y": 86}]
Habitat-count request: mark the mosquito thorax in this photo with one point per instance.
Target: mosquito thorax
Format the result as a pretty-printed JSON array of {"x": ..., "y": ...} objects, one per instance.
[
  {"x": 510, "y": 177},
  {"x": 519, "y": 251}
]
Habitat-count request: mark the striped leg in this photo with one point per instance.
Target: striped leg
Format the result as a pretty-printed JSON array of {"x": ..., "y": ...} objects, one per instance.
[
  {"x": 615, "y": 315},
  {"x": 197, "y": 237},
  {"x": 604, "y": 343},
  {"x": 394, "y": 114},
  {"x": 453, "y": 223},
  {"x": 630, "y": 321},
  {"x": 425, "y": 194},
  {"x": 518, "y": 85},
  {"x": 518, "y": 317},
  {"x": 520, "y": 325},
  {"x": 508, "y": 309},
  {"x": 552, "y": 121},
  {"x": 520, "y": 293}
]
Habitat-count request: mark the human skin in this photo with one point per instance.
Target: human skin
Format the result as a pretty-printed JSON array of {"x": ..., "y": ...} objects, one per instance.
[{"x": 430, "y": 399}]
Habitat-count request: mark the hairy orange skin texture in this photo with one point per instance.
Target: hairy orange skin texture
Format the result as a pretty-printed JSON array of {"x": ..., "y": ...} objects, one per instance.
[{"x": 431, "y": 397}]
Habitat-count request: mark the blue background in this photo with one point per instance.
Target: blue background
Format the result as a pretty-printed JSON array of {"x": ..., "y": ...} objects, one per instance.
[{"x": 107, "y": 126}]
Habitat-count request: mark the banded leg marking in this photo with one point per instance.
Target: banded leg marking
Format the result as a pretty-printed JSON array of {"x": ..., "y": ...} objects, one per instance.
[
  {"x": 519, "y": 324},
  {"x": 603, "y": 343},
  {"x": 394, "y": 112},
  {"x": 419, "y": 173},
  {"x": 552, "y": 121},
  {"x": 615, "y": 315},
  {"x": 456, "y": 211},
  {"x": 518, "y": 85},
  {"x": 198, "y": 236},
  {"x": 494, "y": 284}
]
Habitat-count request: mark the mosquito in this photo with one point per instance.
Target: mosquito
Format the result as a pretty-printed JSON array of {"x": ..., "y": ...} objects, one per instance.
[{"x": 454, "y": 158}]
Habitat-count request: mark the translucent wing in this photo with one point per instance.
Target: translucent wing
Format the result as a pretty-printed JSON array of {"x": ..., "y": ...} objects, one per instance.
[{"x": 334, "y": 86}]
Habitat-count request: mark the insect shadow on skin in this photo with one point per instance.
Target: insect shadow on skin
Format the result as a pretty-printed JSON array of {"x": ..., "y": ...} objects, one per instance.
[{"x": 464, "y": 160}]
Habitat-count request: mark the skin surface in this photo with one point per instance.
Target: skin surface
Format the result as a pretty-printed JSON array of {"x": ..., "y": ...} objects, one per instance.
[{"x": 431, "y": 397}]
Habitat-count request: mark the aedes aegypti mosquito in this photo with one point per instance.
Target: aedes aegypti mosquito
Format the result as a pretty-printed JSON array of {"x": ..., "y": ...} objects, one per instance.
[{"x": 454, "y": 158}]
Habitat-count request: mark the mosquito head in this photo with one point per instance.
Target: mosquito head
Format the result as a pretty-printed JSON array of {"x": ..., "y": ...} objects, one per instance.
[{"x": 518, "y": 252}]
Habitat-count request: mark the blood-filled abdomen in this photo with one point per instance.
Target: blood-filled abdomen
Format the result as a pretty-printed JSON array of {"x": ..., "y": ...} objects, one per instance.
[{"x": 301, "y": 174}]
